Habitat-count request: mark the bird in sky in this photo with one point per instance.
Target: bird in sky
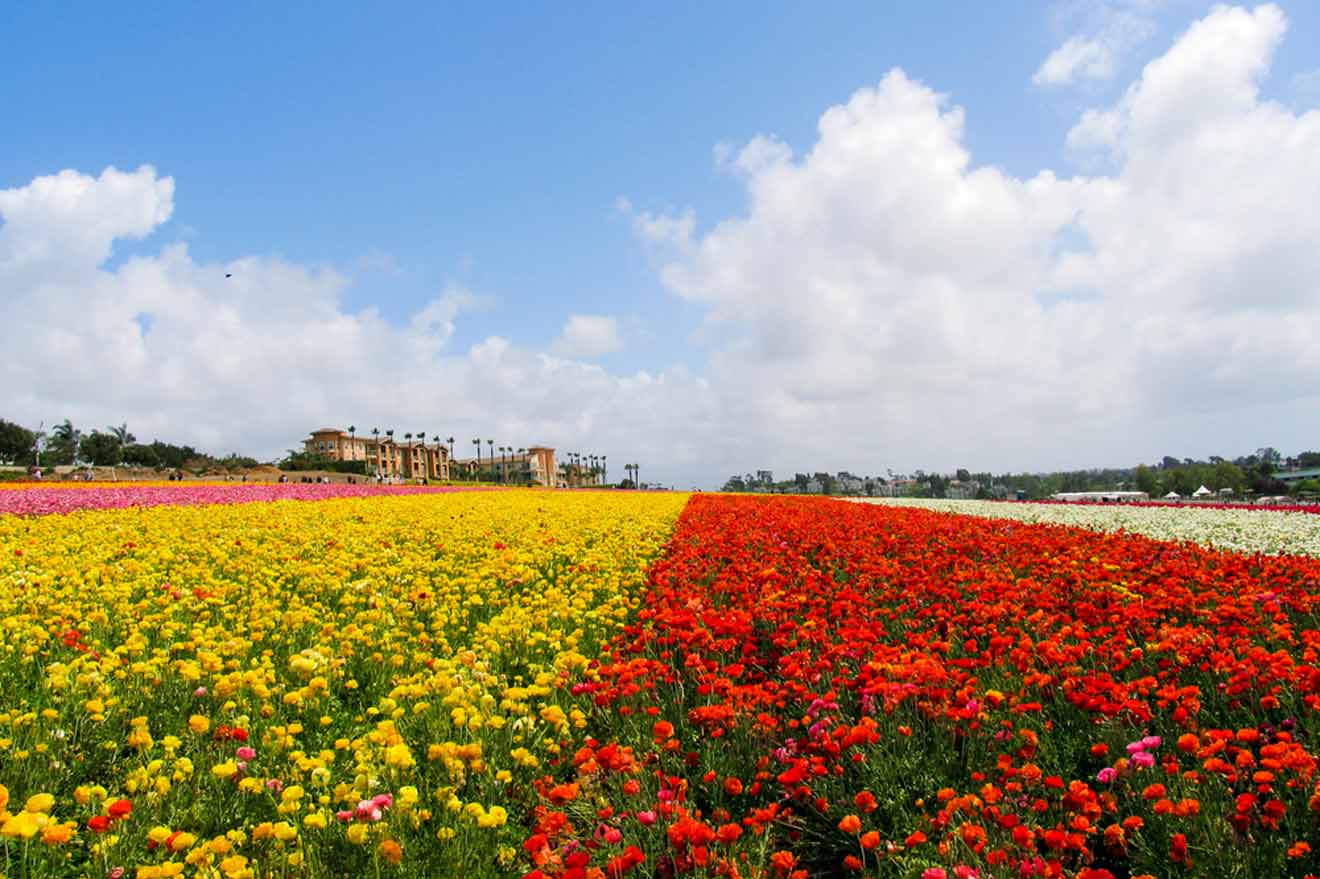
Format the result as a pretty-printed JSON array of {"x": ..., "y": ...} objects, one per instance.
[{"x": 229, "y": 274}]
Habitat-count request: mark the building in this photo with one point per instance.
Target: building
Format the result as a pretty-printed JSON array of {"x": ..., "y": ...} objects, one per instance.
[
  {"x": 534, "y": 465},
  {"x": 382, "y": 455},
  {"x": 1293, "y": 477}
]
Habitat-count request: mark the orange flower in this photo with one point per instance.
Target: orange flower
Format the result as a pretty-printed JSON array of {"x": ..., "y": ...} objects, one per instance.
[
  {"x": 870, "y": 839},
  {"x": 850, "y": 824},
  {"x": 391, "y": 851},
  {"x": 564, "y": 793},
  {"x": 783, "y": 862},
  {"x": 915, "y": 839},
  {"x": 733, "y": 786}
]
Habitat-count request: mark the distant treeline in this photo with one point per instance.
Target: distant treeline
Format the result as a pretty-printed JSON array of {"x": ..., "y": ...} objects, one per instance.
[
  {"x": 112, "y": 447},
  {"x": 1254, "y": 473}
]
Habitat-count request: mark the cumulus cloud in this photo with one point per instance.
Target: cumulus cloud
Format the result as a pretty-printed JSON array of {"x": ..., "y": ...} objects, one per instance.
[
  {"x": 253, "y": 361},
  {"x": 887, "y": 296},
  {"x": 1111, "y": 30},
  {"x": 588, "y": 335}
]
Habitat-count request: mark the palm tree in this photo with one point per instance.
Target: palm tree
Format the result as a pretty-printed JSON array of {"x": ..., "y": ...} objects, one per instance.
[
  {"x": 66, "y": 437},
  {"x": 525, "y": 471},
  {"x": 477, "y": 473},
  {"x": 604, "y": 469},
  {"x": 490, "y": 447},
  {"x": 121, "y": 433},
  {"x": 352, "y": 442},
  {"x": 375, "y": 436}
]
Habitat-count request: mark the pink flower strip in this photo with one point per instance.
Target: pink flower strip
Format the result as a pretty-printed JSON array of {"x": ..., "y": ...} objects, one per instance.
[{"x": 44, "y": 501}]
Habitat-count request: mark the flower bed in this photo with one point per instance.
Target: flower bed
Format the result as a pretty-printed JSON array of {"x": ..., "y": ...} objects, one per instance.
[
  {"x": 1241, "y": 529},
  {"x": 43, "y": 500},
  {"x": 816, "y": 688},
  {"x": 356, "y": 687}
]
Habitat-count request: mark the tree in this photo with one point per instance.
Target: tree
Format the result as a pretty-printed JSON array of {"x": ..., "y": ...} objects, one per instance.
[
  {"x": 122, "y": 434},
  {"x": 103, "y": 449},
  {"x": 1145, "y": 480},
  {"x": 16, "y": 442},
  {"x": 63, "y": 445},
  {"x": 735, "y": 483},
  {"x": 962, "y": 475}
]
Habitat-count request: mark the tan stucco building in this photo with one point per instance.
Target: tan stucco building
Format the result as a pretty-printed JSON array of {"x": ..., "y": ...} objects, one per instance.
[
  {"x": 383, "y": 455},
  {"x": 534, "y": 465},
  {"x": 390, "y": 457}
]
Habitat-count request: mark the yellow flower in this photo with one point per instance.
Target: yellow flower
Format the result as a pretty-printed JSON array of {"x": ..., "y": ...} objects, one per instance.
[
  {"x": 226, "y": 769},
  {"x": 39, "y": 803},
  {"x": 235, "y": 867},
  {"x": 24, "y": 825},
  {"x": 199, "y": 724},
  {"x": 357, "y": 834}
]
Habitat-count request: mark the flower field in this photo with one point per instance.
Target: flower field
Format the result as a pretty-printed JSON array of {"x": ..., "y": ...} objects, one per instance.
[
  {"x": 330, "y": 688},
  {"x": 591, "y": 685},
  {"x": 40, "y": 501},
  {"x": 1240, "y": 529}
]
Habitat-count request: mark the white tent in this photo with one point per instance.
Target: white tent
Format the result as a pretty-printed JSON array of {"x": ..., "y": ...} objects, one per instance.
[
  {"x": 1172, "y": 496},
  {"x": 1202, "y": 492}
]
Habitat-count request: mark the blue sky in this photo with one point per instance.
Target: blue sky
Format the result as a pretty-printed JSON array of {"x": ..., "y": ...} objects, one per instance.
[{"x": 432, "y": 148}]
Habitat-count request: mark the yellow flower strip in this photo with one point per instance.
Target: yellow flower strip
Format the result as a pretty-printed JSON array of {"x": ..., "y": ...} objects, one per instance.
[{"x": 401, "y": 646}]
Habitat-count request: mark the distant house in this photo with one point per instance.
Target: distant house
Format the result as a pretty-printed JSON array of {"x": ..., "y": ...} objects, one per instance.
[
  {"x": 850, "y": 484},
  {"x": 1292, "y": 477}
]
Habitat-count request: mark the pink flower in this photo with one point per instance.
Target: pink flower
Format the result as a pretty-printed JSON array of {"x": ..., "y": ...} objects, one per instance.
[
  {"x": 934, "y": 873},
  {"x": 1135, "y": 747},
  {"x": 1152, "y": 742},
  {"x": 1143, "y": 759},
  {"x": 612, "y": 835},
  {"x": 275, "y": 784},
  {"x": 199, "y": 692},
  {"x": 382, "y": 801},
  {"x": 246, "y": 753},
  {"x": 367, "y": 810},
  {"x": 1106, "y": 775},
  {"x": 646, "y": 818},
  {"x": 344, "y": 815}
]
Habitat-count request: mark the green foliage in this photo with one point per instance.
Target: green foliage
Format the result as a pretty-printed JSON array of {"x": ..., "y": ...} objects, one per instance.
[
  {"x": 102, "y": 449},
  {"x": 16, "y": 442}
]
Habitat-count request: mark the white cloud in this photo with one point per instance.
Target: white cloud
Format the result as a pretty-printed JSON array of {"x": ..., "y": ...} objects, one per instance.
[
  {"x": 253, "y": 361},
  {"x": 1111, "y": 30},
  {"x": 588, "y": 335},
  {"x": 885, "y": 298},
  {"x": 1077, "y": 58}
]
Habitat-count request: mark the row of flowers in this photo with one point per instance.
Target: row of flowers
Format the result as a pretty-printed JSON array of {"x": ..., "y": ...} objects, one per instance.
[
  {"x": 815, "y": 688},
  {"x": 32, "y": 500},
  {"x": 1240, "y": 529},
  {"x": 344, "y": 687}
]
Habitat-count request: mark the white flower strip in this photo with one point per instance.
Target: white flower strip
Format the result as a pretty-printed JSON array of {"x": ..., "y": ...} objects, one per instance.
[{"x": 1247, "y": 531}]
